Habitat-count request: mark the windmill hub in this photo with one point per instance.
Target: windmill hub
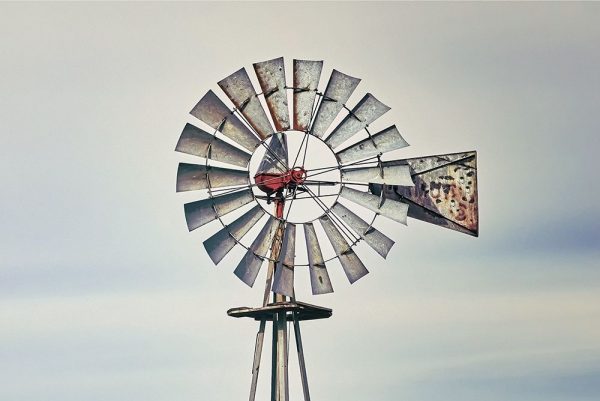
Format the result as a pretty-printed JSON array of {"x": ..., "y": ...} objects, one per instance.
[{"x": 272, "y": 183}]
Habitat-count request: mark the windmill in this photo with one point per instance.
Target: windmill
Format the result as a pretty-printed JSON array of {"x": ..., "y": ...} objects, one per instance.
[{"x": 328, "y": 159}]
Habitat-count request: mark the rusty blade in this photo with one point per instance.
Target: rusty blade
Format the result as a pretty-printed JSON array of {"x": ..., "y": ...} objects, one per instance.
[
  {"x": 271, "y": 76},
  {"x": 384, "y": 174},
  {"x": 217, "y": 115},
  {"x": 376, "y": 240},
  {"x": 239, "y": 89},
  {"x": 384, "y": 141},
  {"x": 319, "y": 277},
  {"x": 249, "y": 266},
  {"x": 204, "y": 211},
  {"x": 445, "y": 191},
  {"x": 191, "y": 177},
  {"x": 283, "y": 281},
  {"x": 196, "y": 142},
  {"x": 352, "y": 265},
  {"x": 306, "y": 82},
  {"x": 364, "y": 113},
  {"x": 338, "y": 91},
  {"x": 386, "y": 207},
  {"x": 224, "y": 240}
]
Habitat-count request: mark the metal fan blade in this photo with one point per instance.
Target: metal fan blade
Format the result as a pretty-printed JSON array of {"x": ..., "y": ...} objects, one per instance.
[
  {"x": 271, "y": 76},
  {"x": 249, "y": 266},
  {"x": 306, "y": 81},
  {"x": 386, "y": 174},
  {"x": 216, "y": 114},
  {"x": 364, "y": 113},
  {"x": 352, "y": 265},
  {"x": 389, "y": 208},
  {"x": 191, "y": 177},
  {"x": 338, "y": 91},
  {"x": 376, "y": 240},
  {"x": 319, "y": 278},
  {"x": 384, "y": 141},
  {"x": 224, "y": 240},
  {"x": 239, "y": 89},
  {"x": 283, "y": 281},
  {"x": 204, "y": 211},
  {"x": 196, "y": 142},
  {"x": 445, "y": 191}
]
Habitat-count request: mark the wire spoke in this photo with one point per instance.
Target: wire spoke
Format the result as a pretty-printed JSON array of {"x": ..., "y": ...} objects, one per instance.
[
  {"x": 339, "y": 167},
  {"x": 300, "y": 149},
  {"x": 334, "y": 219}
]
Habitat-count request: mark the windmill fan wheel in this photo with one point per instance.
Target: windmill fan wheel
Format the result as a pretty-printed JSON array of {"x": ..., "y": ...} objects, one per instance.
[{"x": 316, "y": 168}]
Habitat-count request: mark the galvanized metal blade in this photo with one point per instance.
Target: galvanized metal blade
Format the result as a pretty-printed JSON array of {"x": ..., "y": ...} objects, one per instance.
[
  {"x": 283, "y": 281},
  {"x": 191, "y": 177},
  {"x": 224, "y": 240},
  {"x": 319, "y": 277},
  {"x": 196, "y": 142},
  {"x": 275, "y": 159},
  {"x": 249, "y": 266},
  {"x": 384, "y": 141},
  {"x": 364, "y": 113},
  {"x": 204, "y": 211},
  {"x": 239, "y": 89},
  {"x": 271, "y": 76},
  {"x": 445, "y": 191},
  {"x": 306, "y": 82},
  {"x": 384, "y": 174},
  {"x": 216, "y": 114},
  {"x": 338, "y": 91},
  {"x": 352, "y": 265},
  {"x": 376, "y": 240},
  {"x": 386, "y": 207}
]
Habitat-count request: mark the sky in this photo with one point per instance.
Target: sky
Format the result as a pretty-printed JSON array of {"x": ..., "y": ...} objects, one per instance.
[{"x": 105, "y": 295}]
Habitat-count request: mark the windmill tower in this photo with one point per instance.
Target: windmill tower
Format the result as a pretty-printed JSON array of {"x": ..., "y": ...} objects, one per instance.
[{"x": 258, "y": 169}]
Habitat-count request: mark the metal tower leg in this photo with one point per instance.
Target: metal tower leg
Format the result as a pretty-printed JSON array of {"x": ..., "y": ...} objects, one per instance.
[
  {"x": 260, "y": 336},
  {"x": 279, "y": 375},
  {"x": 300, "y": 350}
]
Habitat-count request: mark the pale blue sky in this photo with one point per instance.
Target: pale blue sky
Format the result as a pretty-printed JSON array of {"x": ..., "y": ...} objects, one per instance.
[{"x": 104, "y": 295}]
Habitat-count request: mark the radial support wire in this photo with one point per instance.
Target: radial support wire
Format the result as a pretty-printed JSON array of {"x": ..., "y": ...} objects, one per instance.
[{"x": 334, "y": 219}]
